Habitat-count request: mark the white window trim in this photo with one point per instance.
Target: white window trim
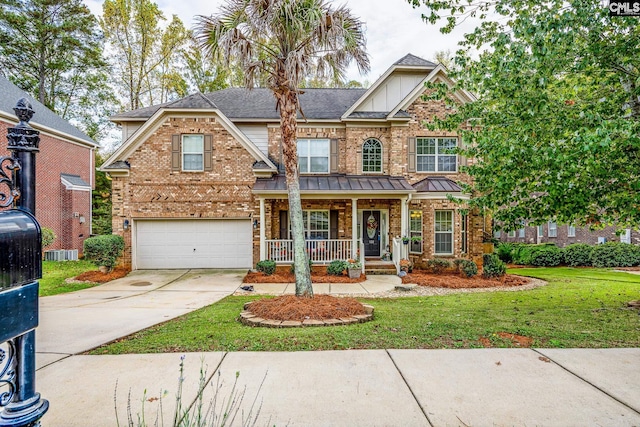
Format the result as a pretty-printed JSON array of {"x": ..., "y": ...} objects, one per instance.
[
  {"x": 553, "y": 229},
  {"x": 416, "y": 233},
  {"x": 182, "y": 153},
  {"x": 307, "y": 222},
  {"x": 437, "y": 154},
  {"x": 521, "y": 233},
  {"x": 381, "y": 157},
  {"x": 308, "y": 140},
  {"x": 464, "y": 244},
  {"x": 571, "y": 231},
  {"x": 435, "y": 233},
  {"x": 511, "y": 234},
  {"x": 540, "y": 230}
]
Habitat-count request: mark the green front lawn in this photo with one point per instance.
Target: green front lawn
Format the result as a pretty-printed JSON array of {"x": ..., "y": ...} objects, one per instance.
[
  {"x": 579, "y": 308},
  {"x": 54, "y": 274}
]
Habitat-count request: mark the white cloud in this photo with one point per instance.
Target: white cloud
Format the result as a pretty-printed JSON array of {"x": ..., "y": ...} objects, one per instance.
[{"x": 393, "y": 29}]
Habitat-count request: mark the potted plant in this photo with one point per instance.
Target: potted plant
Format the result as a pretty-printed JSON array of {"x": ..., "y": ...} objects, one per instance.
[
  {"x": 354, "y": 268},
  {"x": 406, "y": 240},
  {"x": 405, "y": 264}
]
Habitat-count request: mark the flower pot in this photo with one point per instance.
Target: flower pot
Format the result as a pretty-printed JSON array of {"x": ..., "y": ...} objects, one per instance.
[
  {"x": 406, "y": 242},
  {"x": 354, "y": 273}
]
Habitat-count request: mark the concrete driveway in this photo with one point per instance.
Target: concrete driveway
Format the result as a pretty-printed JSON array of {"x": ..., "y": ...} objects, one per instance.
[{"x": 79, "y": 321}]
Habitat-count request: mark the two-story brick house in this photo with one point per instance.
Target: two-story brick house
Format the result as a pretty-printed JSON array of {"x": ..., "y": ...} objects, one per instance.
[
  {"x": 64, "y": 169},
  {"x": 199, "y": 183}
]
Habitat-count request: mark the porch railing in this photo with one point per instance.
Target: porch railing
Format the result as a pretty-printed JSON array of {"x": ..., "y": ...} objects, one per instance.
[{"x": 320, "y": 251}]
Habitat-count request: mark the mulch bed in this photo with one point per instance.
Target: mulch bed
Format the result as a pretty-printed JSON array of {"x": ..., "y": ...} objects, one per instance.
[
  {"x": 284, "y": 275},
  {"x": 96, "y": 276},
  {"x": 320, "y": 307},
  {"x": 456, "y": 281}
]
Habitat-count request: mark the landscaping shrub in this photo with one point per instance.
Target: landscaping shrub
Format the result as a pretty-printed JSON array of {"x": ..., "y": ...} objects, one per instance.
[
  {"x": 337, "y": 267},
  {"x": 438, "y": 265},
  {"x": 577, "y": 254},
  {"x": 267, "y": 266},
  {"x": 505, "y": 251},
  {"x": 468, "y": 267},
  {"x": 48, "y": 236},
  {"x": 548, "y": 255},
  {"x": 521, "y": 254},
  {"x": 615, "y": 254},
  {"x": 492, "y": 266},
  {"x": 104, "y": 250}
]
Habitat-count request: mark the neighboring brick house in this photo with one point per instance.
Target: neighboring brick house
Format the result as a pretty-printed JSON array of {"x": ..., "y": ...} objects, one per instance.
[
  {"x": 199, "y": 182},
  {"x": 563, "y": 235},
  {"x": 64, "y": 169}
]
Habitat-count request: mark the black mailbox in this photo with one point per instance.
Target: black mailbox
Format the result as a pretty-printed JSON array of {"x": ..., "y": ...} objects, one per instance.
[{"x": 21, "y": 248}]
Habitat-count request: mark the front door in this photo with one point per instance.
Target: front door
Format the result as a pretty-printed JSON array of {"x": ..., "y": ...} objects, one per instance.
[{"x": 371, "y": 233}]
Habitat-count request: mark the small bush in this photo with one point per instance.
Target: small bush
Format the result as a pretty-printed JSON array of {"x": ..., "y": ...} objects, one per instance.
[
  {"x": 505, "y": 252},
  {"x": 104, "y": 250},
  {"x": 521, "y": 254},
  {"x": 577, "y": 254},
  {"x": 48, "y": 236},
  {"x": 467, "y": 267},
  {"x": 267, "y": 266},
  {"x": 545, "y": 255},
  {"x": 492, "y": 266},
  {"x": 615, "y": 254},
  {"x": 438, "y": 265},
  {"x": 336, "y": 268}
]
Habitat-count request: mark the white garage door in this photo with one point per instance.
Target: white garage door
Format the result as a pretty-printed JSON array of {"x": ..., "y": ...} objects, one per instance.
[{"x": 216, "y": 243}]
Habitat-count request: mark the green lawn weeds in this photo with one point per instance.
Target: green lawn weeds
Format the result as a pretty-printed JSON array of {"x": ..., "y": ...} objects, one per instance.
[
  {"x": 55, "y": 273},
  {"x": 579, "y": 308}
]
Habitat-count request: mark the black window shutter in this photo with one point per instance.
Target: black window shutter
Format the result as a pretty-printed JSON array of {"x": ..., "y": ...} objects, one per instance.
[
  {"x": 175, "y": 152},
  {"x": 333, "y": 224},
  {"x": 284, "y": 224}
]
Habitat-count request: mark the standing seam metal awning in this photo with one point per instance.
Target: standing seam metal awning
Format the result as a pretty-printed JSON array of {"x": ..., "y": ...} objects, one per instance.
[{"x": 336, "y": 184}]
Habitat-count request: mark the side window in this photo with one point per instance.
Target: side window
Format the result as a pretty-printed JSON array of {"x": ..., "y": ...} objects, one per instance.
[
  {"x": 444, "y": 232},
  {"x": 313, "y": 155},
  {"x": 436, "y": 154},
  {"x": 192, "y": 152},
  {"x": 415, "y": 229},
  {"x": 372, "y": 156}
]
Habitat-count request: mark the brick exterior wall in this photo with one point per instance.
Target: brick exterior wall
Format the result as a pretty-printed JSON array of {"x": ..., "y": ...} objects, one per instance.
[
  {"x": 152, "y": 190},
  {"x": 55, "y": 205},
  {"x": 582, "y": 235}
]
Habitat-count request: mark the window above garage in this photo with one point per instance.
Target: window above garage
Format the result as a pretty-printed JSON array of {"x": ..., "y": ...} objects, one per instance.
[{"x": 191, "y": 152}]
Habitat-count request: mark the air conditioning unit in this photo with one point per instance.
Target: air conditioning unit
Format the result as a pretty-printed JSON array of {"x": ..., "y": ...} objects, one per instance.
[
  {"x": 71, "y": 255},
  {"x": 55, "y": 255}
]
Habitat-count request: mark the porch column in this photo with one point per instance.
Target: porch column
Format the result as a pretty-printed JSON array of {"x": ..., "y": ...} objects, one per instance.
[
  {"x": 404, "y": 220},
  {"x": 354, "y": 229},
  {"x": 263, "y": 248}
]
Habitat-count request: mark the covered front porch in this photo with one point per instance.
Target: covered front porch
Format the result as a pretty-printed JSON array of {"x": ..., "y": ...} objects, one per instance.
[{"x": 345, "y": 217}]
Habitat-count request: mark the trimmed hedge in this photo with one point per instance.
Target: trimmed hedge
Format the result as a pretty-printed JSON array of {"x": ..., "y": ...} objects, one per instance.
[
  {"x": 337, "y": 267},
  {"x": 438, "y": 265},
  {"x": 267, "y": 266},
  {"x": 615, "y": 254},
  {"x": 577, "y": 254},
  {"x": 104, "y": 250},
  {"x": 545, "y": 256}
]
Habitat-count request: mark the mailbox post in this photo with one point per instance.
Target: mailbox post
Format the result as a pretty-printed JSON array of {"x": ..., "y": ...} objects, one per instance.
[{"x": 20, "y": 269}]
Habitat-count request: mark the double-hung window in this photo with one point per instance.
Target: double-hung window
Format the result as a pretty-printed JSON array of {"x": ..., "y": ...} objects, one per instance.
[
  {"x": 512, "y": 234},
  {"x": 571, "y": 231},
  {"x": 313, "y": 155},
  {"x": 193, "y": 153},
  {"x": 444, "y": 232},
  {"x": 436, "y": 154},
  {"x": 521, "y": 232},
  {"x": 553, "y": 229},
  {"x": 316, "y": 224},
  {"x": 415, "y": 229}
]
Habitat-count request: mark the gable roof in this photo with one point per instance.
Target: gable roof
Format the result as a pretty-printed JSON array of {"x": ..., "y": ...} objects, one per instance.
[
  {"x": 44, "y": 119},
  {"x": 258, "y": 103},
  {"x": 412, "y": 60}
]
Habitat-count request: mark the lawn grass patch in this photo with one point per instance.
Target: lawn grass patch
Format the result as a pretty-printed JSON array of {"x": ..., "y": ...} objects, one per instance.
[
  {"x": 54, "y": 274},
  {"x": 580, "y": 308}
]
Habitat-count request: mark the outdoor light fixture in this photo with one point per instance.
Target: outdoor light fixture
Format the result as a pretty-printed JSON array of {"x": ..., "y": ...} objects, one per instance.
[
  {"x": 256, "y": 223},
  {"x": 126, "y": 224},
  {"x": 82, "y": 220}
]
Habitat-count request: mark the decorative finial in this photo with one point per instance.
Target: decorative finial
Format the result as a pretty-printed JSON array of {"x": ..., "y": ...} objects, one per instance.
[{"x": 24, "y": 112}]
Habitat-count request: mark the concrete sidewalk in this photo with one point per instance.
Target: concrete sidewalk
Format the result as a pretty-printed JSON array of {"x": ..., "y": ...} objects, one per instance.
[{"x": 484, "y": 387}]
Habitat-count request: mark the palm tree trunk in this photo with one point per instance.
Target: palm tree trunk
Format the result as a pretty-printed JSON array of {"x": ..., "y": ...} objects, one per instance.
[{"x": 288, "y": 102}]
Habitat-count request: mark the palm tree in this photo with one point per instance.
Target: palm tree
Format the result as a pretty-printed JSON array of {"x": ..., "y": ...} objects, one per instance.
[{"x": 286, "y": 41}]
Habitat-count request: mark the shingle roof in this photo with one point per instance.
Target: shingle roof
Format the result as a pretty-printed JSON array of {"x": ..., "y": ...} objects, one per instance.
[
  {"x": 336, "y": 183},
  {"x": 437, "y": 184},
  {"x": 120, "y": 164},
  {"x": 9, "y": 95},
  {"x": 259, "y": 103},
  {"x": 412, "y": 60},
  {"x": 74, "y": 180}
]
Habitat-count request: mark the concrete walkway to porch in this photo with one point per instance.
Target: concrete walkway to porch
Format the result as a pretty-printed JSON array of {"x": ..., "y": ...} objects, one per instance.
[{"x": 373, "y": 284}]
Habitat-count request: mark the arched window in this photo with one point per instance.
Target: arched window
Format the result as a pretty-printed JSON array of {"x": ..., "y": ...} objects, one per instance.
[{"x": 372, "y": 156}]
